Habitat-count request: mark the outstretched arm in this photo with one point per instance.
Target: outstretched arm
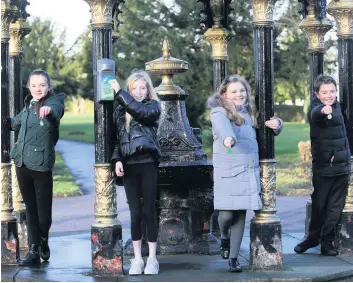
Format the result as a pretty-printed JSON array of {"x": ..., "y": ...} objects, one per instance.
[{"x": 222, "y": 126}]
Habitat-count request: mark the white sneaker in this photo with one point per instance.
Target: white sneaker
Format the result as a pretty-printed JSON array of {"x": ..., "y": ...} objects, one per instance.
[
  {"x": 152, "y": 266},
  {"x": 137, "y": 266}
]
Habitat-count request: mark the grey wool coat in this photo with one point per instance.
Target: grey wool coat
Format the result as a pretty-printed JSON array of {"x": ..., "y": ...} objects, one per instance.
[{"x": 236, "y": 170}]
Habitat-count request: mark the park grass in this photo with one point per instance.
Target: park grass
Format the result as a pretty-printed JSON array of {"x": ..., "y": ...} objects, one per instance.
[
  {"x": 77, "y": 128},
  {"x": 291, "y": 175},
  {"x": 64, "y": 185}
]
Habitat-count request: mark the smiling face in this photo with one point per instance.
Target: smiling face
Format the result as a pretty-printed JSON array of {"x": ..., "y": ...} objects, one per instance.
[
  {"x": 327, "y": 94},
  {"x": 236, "y": 92},
  {"x": 38, "y": 86},
  {"x": 139, "y": 90}
]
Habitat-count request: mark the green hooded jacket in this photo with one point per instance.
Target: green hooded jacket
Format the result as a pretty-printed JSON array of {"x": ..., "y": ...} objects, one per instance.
[{"x": 37, "y": 137}]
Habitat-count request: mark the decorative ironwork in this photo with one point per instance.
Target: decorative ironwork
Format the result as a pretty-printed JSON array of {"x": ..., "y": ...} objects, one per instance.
[
  {"x": 6, "y": 193},
  {"x": 268, "y": 193},
  {"x": 218, "y": 37},
  {"x": 174, "y": 133},
  {"x": 342, "y": 11},
  {"x": 9, "y": 13},
  {"x": 102, "y": 12},
  {"x": 18, "y": 203},
  {"x": 105, "y": 209},
  {"x": 315, "y": 28},
  {"x": 18, "y": 31},
  {"x": 303, "y": 9},
  {"x": 116, "y": 21},
  {"x": 263, "y": 12}
]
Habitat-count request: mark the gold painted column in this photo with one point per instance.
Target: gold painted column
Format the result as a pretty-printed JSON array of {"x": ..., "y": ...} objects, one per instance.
[
  {"x": 9, "y": 236},
  {"x": 342, "y": 11},
  {"x": 265, "y": 227},
  {"x": 218, "y": 37},
  {"x": 106, "y": 233},
  {"x": 217, "y": 16},
  {"x": 18, "y": 30},
  {"x": 315, "y": 30}
]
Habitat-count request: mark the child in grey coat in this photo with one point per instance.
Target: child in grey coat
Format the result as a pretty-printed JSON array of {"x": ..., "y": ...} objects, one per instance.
[{"x": 235, "y": 161}]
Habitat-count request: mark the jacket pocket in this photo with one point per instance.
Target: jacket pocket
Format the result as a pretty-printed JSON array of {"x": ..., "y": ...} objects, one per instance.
[
  {"x": 234, "y": 172},
  {"x": 35, "y": 155},
  {"x": 234, "y": 181}
]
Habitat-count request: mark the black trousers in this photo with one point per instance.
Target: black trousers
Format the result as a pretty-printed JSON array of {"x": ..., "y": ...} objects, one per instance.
[
  {"x": 328, "y": 200},
  {"x": 37, "y": 191},
  {"x": 140, "y": 182}
]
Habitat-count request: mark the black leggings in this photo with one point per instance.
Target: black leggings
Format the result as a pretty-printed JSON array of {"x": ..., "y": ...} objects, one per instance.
[
  {"x": 37, "y": 191},
  {"x": 140, "y": 181}
]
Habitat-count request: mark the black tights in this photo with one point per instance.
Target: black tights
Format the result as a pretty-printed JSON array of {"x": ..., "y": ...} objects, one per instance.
[{"x": 140, "y": 181}]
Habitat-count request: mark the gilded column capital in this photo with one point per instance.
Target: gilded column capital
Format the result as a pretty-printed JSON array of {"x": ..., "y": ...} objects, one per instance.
[
  {"x": 314, "y": 28},
  {"x": 218, "y": 37},
  {"x": 102, "y": 13},
  {"x": 263, "y": 12},
  {"x": 8, "y": 15},
  {"x": 18, "y": 31},
  {"x": 342, "y": 11}
]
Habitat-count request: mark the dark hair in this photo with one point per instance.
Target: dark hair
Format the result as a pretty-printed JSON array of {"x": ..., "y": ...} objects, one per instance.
[
  {"x": 321, "y": 79},
  {"x": 40, "y": 72}
]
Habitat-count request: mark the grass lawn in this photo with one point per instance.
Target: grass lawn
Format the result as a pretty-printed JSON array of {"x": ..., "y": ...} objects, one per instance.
[
  {"x": 77, "y": 128},
  {"x": 64, "y": 185},
  {"x": 291, "y": 176}
]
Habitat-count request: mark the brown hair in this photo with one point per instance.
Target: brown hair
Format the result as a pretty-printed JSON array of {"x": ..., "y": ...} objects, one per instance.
[
  {"x": 230, "y": 107},
  {"x": 321, "y": 79},
  {"x": 40, "y": 72}
]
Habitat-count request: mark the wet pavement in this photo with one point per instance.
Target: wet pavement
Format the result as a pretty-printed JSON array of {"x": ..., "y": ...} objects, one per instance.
[
  {"x": 71, "y": 246},
  {"x": 71, "y": 261}
]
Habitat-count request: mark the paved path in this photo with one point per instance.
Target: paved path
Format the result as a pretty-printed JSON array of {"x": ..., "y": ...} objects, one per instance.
[{"x": 74, "y": 214}]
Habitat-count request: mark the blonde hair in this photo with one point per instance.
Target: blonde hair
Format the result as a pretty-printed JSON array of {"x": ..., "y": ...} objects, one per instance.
[
  {"x": 151, "y": 94},
  {"x": 229, "y": 106}
]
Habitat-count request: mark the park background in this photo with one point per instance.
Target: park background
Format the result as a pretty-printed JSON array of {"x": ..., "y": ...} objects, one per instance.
[{"x": 62, "y": 45}]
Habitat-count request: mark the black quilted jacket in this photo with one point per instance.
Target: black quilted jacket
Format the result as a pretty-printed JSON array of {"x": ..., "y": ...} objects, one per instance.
[
  {"x": 37, "y": 138},
  {"x": 142, "y": 136},
  {"x": 329, "y": 143}
]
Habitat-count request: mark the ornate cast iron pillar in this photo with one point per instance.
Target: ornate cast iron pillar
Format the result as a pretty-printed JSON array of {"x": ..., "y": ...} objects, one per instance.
[
  {"x": 184, "y": 175},
  {"x": 315, "y": 29},
  {"x": 219, "y": 35},
  {"x": 216, "y": 17},
  {"x": 342, "y": 11},
  {"x": 265, "y": 227},
  {"x": 106, "y": 233},
  {"x": 9, "y": 239},
  {"x": 18, "y": 30}
]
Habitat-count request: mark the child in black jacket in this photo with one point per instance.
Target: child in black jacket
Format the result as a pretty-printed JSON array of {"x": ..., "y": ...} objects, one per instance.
[
  {"x": 136, "y": 158},
  {"x": 330, "y": 164}
]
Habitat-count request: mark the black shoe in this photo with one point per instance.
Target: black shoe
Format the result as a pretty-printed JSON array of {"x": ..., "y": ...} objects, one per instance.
[
  {"x": 32, "y": 257},
  {"x": 225, "y": 246},
  {"x": 305, "y": 245},
  {"x": 234, "y": 265},
  {"x": 44, "y": 249},
  {"x": 328, "y": 249}
]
